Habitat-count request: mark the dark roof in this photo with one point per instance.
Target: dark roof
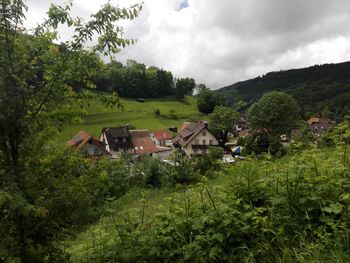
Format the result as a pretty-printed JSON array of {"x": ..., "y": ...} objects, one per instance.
[
  {"x": 117, "y": 132},
  {"x": 188, "y": 132},
  {"x": 142, "y": 142}
]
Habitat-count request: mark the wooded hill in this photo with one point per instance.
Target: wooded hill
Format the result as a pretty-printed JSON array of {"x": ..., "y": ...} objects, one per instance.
[{"x": 320, "y": 89}]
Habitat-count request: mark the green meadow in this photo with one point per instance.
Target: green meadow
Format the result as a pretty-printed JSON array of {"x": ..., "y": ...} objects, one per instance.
[{"x": 137, "y": 114}]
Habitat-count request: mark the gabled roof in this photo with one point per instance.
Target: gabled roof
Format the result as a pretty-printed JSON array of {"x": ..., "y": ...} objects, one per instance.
[
  {"x": 117, "y": 132},
  {"x": 162, "y": 134},
  {"x": 78, "y": 138},
  {"x": 163, "y": 148},
  {"x": 188, "y": 132},
  {"x": 142, "y": 142},
  {"x": 320, "y": 121},
  {"x": 82, "y": 138}
]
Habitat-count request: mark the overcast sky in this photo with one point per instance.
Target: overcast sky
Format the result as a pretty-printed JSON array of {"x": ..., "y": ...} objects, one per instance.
[{"x": 219, "y": 42}]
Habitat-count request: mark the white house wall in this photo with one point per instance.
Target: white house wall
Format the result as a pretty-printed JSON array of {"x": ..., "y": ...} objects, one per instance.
[
  {"x": 91, "y": 148},
  {"x": 200, "y": 137}
]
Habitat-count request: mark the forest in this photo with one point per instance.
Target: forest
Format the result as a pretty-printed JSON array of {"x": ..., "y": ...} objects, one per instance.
[
  {"x": 319, "y": 90},
  {"x": 135, "y": 80}
]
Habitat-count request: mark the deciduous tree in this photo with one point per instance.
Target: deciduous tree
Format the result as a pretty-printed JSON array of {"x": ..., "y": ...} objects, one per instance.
[
  {"x": 276, "y": 113},
  {"x": 222, "y": 121},
  {"x": 36, "y": 96}
]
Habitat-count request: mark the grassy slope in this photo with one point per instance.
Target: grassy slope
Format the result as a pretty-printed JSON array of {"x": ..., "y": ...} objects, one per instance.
[
  {"x": 325, "y": 163},
  {"x": 156, "y": 199},
  {"x": 139, "y": 115}
]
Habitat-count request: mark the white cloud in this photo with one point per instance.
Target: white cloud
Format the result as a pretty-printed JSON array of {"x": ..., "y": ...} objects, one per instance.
[{"x": 221, "y": 42}]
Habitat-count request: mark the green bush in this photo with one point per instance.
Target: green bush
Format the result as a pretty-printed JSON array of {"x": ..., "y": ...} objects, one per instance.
[{"x": 289, "y": 209}]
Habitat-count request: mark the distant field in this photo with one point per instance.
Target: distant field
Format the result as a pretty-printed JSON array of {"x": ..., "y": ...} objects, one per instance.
[{"x": 140, "y": 115}]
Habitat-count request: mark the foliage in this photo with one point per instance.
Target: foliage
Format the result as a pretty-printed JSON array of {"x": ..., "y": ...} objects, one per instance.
[
  {"x": 156, "y": 112},
  {"x": 319, "y": 90},
  {"x": 149, "y": 170},
  {"x": 66, "y": 192},
  {"x": 222, "y": 121},
  {"x": 276, "y": 113},
  {"x": 184, "y": 87},
  {"x": 37, "y": 97},
  {"x": 180, "y": 171},
  {"x": 210, "y": 163},
  {"x": 134, "y": 80},
  {"x": 207, "y": 100},
  {"x": 294, "y": 209}
]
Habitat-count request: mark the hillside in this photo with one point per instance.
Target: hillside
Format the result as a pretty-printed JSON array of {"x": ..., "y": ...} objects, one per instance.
[
  {"x": 317, "y": 88},
  {"x": 136, "y": 114},
  {"x": 295, "y": 209}
]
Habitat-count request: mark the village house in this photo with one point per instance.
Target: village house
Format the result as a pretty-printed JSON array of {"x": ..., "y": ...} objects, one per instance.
[
  {"x": 88, "y": 145},
  {"x": 320, "y": 125},
  {"x": 121, "y": 140},
  {"x": 194, "y": 138},
  {"x": 162, "y": 137},
  {"x": 142, "y": 143},
  {"x": 117, "y": 140}
]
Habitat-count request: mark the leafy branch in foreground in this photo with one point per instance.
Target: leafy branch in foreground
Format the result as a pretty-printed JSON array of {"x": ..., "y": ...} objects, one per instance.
[{"x": 37, "y": 76}]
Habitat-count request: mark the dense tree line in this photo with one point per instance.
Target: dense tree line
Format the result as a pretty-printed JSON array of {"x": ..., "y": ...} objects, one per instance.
[
  {"x": 323, "y": 90},
  {"x": 135, "y": 80}
]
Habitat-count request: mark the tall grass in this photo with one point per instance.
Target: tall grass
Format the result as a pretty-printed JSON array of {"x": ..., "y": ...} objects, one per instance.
[{"x": 295, "y": 209}]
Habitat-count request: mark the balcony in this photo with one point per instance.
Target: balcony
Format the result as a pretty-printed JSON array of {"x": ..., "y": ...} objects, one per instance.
[{"x": 200, "y": 146}]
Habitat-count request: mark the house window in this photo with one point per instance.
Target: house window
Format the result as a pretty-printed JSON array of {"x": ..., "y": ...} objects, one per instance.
[
  {"x": 116, "y": 140},
  {"x": 116, "y": 149},
  {"x": 196, "y": 142},
  {"x": 204, "y": 133},
  {"x": 124, "y": 139},
  {"x": 96, "y": 152},
  {"x": 204, "y": 151},
  {"x": 204, "y": 142},
  {"x": 195, "y": 150},
  {"x": 211, "y": 142}
]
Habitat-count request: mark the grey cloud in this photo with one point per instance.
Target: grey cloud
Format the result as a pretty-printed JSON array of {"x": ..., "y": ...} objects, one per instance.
[{"x": 220, "y": 42}]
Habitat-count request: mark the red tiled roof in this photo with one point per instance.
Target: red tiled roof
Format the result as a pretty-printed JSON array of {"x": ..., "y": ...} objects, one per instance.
[
  {"x": 78, "y": 138},
  {"x": 82, "y": 137},
  {"x": 142, "y": 142},
  {"x": 162, "y": 134}
]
